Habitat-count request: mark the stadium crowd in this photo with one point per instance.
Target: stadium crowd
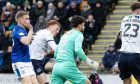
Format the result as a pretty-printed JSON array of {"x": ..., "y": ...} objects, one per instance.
[{"x": 41, "y": 11}]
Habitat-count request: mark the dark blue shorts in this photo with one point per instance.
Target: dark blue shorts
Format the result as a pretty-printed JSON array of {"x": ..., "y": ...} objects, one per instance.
[
  {"x": 39, "y": 65},
  {"x": 129, "y": 64}
]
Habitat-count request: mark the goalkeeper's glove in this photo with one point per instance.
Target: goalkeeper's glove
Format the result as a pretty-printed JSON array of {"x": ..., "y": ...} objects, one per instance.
[{"x": 92, "y": 63}]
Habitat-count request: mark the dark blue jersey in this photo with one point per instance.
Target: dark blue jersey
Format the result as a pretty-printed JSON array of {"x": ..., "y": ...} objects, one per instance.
[{"x": 20, "y": 51}]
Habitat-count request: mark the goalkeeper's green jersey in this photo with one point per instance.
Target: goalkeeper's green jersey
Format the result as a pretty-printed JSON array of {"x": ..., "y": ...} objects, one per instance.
[{"x": 69, "y": 47}]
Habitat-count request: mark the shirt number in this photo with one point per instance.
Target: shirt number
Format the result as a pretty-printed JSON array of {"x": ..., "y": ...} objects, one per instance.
[{"x": 133, "y": 33}]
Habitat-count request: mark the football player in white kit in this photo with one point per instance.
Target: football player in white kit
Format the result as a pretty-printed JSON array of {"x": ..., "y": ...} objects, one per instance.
[
  {"x": 42, "y": 40},
  {"x": 129, "y": 60}
]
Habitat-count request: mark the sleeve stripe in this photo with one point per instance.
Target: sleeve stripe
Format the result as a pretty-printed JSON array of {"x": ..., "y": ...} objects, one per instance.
[{"x": 50, "y": 40}]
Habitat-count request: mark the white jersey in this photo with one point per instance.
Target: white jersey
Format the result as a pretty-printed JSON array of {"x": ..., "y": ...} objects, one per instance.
[
  {"x": 43, "y": 40},
  {"x": 130, "y": 28}
]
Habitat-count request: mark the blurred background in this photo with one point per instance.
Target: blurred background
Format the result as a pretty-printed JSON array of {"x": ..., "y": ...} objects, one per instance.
[{"x": 101, "y": 36}]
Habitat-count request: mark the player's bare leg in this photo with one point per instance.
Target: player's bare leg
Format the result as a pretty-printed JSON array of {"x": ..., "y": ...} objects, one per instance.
[
  {"x": 29, "y": 80},
  {"x": 49, "y": 65},
  {"x": 42, "y": 78},
  {"x": 33, "y": 79}
]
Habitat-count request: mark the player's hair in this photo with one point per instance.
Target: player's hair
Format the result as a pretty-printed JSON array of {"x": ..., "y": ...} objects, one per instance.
[
  {"x": 53, "y": 22},
  {"x": 21, "y": 14},
  {"x": 135, "y": 6},
  {"x": 76, "y": 20}
]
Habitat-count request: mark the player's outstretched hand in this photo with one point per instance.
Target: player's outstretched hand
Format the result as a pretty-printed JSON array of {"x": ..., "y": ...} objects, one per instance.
[
  {"x": 95, "y": 64},
  {"x": 92, "y": 63}
]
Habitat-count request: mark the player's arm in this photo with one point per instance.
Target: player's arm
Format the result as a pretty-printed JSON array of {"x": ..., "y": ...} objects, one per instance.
[
  {"x": 120, "y": 34},
  {"x": 51, "y": 42},
  {"x": 78, "y": 47},
  {"x": 121, "y": 28},
  {"x": 24, "y": 39},
  {"x": 27, "y": 39},
  {"x": 80, "y": 53}
]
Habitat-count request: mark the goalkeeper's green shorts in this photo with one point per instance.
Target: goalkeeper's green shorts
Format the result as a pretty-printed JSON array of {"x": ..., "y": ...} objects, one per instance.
[{"x": 65, "y": 71}]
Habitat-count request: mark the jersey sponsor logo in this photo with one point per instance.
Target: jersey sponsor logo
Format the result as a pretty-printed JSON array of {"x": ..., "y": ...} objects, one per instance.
[
  {"x": 21, "y": 33},
  {"x": 138, "y": 17},
  {"x": 134, "y": 16}
]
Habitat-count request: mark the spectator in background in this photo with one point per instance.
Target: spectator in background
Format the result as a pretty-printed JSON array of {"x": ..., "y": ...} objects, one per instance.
[
  {"x": 50, "y": 12},
  {"x": 2, "y": 4},
  {"x": 7, "y": 42},
  {"x": 37, "y": 11},
  {"x": 1, "y": 45},
  {"x": 7, "y": 16},
  {"x": 91, "y": 31},
  {"x": 2, "y": 30},
  {"x": 17, "y": 2},
  {"x": 1, "y": 58},
  {"x": 68, "y": 2},
  {"x": 2, "y": 35},
  {"x": 27, "y": 6},
  {"x": 91, "y": 3},
  {"x": 109, "y": 5},
  {"x": 6, "y": 67},
  {"x": 18, "y": 8},
  {"x": 99, "y": 14},
  {"x": 49, "y": 1},
  {"x": 110, "y": 59},
  {"x": 86, "y": 10},
  {"x": 60, "y": 15},
  {"x": 73, "y": 10},
  {"x": 6, "y": 55},
  {"x": 40, "y": 24},
  {"x": 46, "y": 3}
]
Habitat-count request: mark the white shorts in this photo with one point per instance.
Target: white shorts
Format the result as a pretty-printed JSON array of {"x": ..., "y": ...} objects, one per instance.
[{"x": 23, "y": 69}]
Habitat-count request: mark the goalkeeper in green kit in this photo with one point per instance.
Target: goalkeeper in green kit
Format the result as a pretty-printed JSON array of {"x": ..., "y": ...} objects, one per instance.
[{"x": 69, "y": 47}]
